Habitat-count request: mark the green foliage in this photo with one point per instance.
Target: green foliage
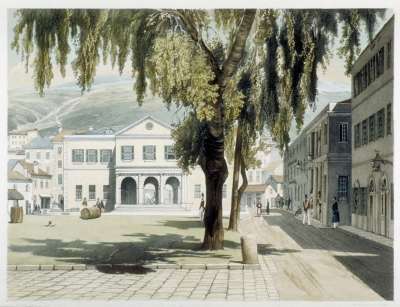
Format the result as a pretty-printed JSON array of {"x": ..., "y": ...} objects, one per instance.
[
  {"x": 168, "y": 49},
  {"x": 183, "y": 76},
  {"x": 188, "y": 136}
]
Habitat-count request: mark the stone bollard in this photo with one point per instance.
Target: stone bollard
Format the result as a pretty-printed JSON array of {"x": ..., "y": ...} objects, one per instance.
[{"x": 249, "y": 249}]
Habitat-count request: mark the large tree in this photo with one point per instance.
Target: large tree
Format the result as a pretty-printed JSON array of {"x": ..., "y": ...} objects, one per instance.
[{"x": 192, "y": 58}]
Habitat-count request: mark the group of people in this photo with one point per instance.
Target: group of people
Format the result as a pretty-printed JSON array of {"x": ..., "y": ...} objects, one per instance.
[
  {"x": 308, "y": 206},
  {"x": 99, "y": 204}
]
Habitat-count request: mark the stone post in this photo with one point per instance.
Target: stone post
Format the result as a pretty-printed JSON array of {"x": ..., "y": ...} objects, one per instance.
[{"x": 249, "y": 249}]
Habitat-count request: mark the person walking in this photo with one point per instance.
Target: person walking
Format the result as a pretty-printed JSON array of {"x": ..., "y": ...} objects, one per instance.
[
  {"x": 84, "y": 202},
  {"x": 102, "y": 206},
  {"x": 335, "y": 213},
  {"x": 98, "y": 203},
  {"x": 202, "y": 208},
  {"x": 306, "y": 211},
  {"x": 258, "y": 205},
  {"x": 267, "y": 207}
]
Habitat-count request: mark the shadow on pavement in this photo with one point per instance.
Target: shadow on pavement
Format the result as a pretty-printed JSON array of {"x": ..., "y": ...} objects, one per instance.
[
  {"x": 374, "y": 268},
  {"x": 267, "y": 249},
  {"x": 123, "y": 269},
  {"x": 167, "y": 248}
]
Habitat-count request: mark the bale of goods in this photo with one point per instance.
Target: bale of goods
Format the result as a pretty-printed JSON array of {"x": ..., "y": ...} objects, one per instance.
[
  {"x": 90, "y": 213},
  {"x": 16, "y": 215}
]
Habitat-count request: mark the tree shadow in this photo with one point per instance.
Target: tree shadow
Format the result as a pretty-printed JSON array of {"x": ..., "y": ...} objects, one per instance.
[
  {"x": 186, "y": 224},
  {"x": 142, "y": 249}
]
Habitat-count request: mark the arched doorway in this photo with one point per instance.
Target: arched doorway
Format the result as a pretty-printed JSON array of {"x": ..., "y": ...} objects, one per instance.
[
  {"x": 384, "y": 216},
  {"x": 128, "y": 191},
  {"x": 371, "y": 207},
  {"x": 150, "y": 191},
  {"x": 171, "y": 195}
]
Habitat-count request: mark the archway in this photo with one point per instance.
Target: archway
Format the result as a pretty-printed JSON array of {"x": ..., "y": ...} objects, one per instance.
[
  {"x": 385, "y": 207},
  {"x": 171, "y": 195},
  {"x": 150, "y": 191},
  {"x": 371, "y": 207},
  {"x": 128, "y": 191}
]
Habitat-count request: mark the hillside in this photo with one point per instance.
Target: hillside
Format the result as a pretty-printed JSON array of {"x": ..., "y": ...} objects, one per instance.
[{"x": 110, "y": 103}]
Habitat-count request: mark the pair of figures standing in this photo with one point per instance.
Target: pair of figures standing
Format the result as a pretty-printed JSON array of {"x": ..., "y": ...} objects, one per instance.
[{"x": 307, "y": 207}]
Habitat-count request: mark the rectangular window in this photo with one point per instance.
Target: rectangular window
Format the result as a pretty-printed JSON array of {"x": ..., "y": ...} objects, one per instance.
[
  {"x": 78, "y": 192},
  {"x": 127, "y": 153},
  {"x": 91, "y": 155},
  {"x": 169, "y": 153},
  {"x": 325, "y": 133},
  {"x": 389, "y": 54},
  {"x": 46, "y": 183},
  {"x": 60, "y": 179},
  {"x": 59, "y": 162},
  {"x": 106, "y": 192},
  {"x": 343, "y": 130},
  {"x": 92, "y": 192},
  {"x": 389, "y": 119},
  {"x": 371, "y": 122},
  {"x": 78, "y": 155},
  {"x": 342, "y": 186},
  {"x": 357, "y": 136},
  {"x": 59, "y": 150},
  {"x": 381, "y": 56},
  {"x": 105, "y": 155},
  {"x": 48, "y": 155},
  {"x": 365, "y": 132},
  {"x": 41, "y": 184},
  {"x": 224, "y": 191},
  {"x": 197, "y": 190},
  {"x": 38, "y": 155},
  {"x": 28, "y": 155},
  {"x": 149, "y": 152},
  {"x": 380, "y": 133}
]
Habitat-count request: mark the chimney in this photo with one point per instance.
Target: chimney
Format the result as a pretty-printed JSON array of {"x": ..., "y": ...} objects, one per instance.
[{"x": 35, "y": 167}]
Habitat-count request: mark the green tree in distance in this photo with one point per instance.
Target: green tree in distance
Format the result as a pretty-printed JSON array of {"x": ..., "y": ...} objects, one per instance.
[{"x": 192, "y": 58}]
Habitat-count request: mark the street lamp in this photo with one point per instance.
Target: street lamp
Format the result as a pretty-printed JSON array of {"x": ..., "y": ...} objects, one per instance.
[{"x": 378, "y": 161}]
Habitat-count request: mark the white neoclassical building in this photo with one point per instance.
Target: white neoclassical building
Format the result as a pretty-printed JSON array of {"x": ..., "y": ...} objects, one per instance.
[{"x": 130, "y": 169}]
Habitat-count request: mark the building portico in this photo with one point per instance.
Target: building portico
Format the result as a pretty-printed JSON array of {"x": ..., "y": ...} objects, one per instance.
[{"x": 148, "y": 187}]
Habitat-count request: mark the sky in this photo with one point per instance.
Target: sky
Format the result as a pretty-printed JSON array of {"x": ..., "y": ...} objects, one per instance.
[{"x": 18, "y": 78}]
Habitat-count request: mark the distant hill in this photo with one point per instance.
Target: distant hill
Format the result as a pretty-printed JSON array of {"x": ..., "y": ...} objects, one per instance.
[{"x": 110, "y": 103}]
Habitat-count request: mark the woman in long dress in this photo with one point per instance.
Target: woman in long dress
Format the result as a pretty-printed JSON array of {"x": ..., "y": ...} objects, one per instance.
[{"x": 335, "y": 213}]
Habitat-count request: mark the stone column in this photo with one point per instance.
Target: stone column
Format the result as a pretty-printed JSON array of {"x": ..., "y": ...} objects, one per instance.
[
  {"x": 118, "y": 191},
  {"x": 161, "y": 188},
  {"x": 140, "y": 199}
]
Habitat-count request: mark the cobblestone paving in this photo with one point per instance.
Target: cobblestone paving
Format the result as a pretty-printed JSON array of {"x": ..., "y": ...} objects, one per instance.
[{"x": 164, "y": 284}]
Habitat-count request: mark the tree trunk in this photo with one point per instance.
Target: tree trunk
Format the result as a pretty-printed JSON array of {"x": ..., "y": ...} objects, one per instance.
[
  {"x": 216, "y": 171},
  {"x": 235, "y": 201}
]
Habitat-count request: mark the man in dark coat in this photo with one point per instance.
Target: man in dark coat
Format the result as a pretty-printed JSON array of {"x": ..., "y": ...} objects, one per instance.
[{"x": 335, "y": 213}]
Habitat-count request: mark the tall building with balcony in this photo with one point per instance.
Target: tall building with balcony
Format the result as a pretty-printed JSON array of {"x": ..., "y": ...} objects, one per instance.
[
  {"x": 318, "y": 163},
  {"x": 372, "y": 120}
]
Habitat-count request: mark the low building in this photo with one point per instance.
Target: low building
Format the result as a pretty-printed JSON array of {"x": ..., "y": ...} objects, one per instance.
[
  {"x": 33, "y": 183},
  {"x": 18, "y": 139},
  {"x": 318, "y": 163},
  {"x": 133, "y": 168},
  {"x": 274, "y": 191},
  {"x": 372, "y": 155}
]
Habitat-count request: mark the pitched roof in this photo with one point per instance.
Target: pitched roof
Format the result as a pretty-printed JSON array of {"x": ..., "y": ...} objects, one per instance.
[
  {"x": 13, "y": 175},
  {"x": 142, "y": 120},
  {"x": 13, "y": 194},
  {"x": 256, "y": 188},
  {"x": 11, "y": 164},
  {"x": 30, "y": 168},
  {"x": 40, "y": 143}
]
